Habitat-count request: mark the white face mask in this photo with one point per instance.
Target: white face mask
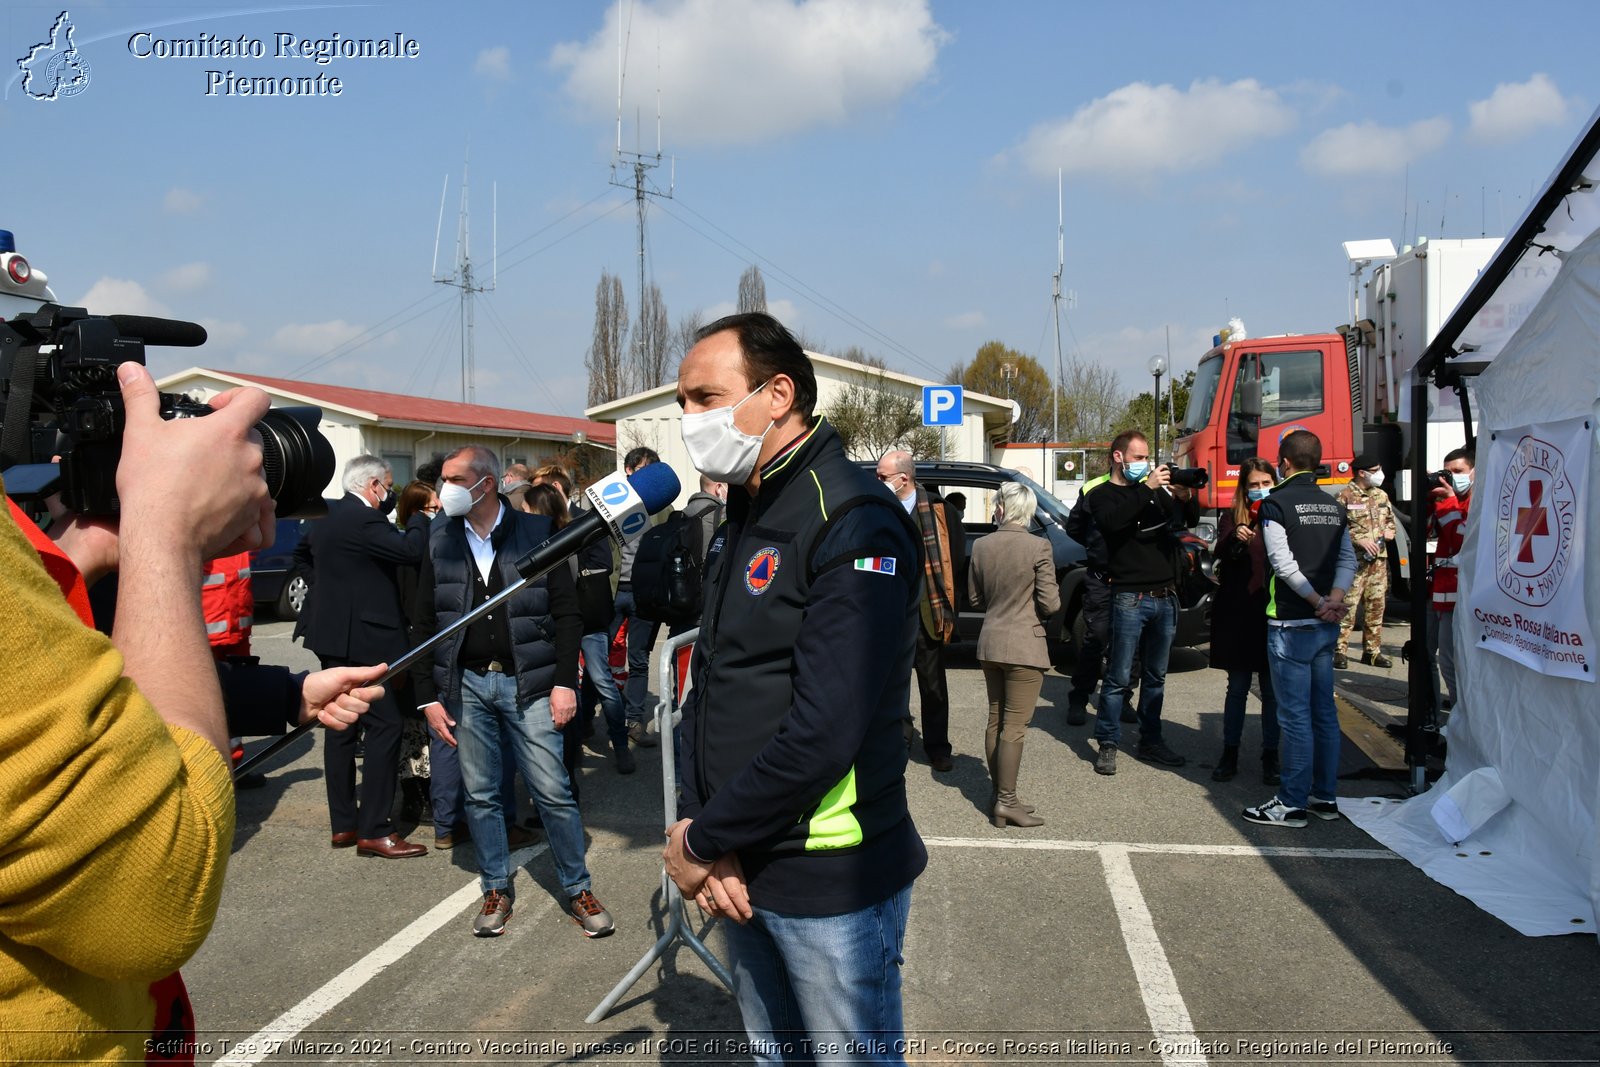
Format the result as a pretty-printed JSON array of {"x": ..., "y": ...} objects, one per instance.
[
  {"x": 456, "y": 500},
  {"x": 719, "y": 449},
  {"x": 1374, "y": 478}
]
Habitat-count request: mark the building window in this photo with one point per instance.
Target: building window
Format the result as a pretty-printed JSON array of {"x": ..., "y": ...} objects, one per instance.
[{"x": 404, "y": 466}]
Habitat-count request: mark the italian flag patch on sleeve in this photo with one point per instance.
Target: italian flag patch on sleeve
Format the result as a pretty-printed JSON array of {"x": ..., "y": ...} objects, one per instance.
[{"x": 880, "y": 564}]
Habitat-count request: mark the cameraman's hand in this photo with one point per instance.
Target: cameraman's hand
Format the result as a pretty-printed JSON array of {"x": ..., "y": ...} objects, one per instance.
[
  {"x": 193, "y": 482},
  {"x": 1159, "y": 477},
  {"x": 339, "y": 696}
]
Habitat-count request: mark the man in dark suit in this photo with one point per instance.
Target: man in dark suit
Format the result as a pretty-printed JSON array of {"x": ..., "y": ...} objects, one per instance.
[{"x": 353, "y": 618}]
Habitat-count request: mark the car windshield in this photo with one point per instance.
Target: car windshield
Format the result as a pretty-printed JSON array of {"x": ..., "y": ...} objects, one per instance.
[
  {"x": 1048, "y": 504},
  {"x": 1203, "y": 392}
]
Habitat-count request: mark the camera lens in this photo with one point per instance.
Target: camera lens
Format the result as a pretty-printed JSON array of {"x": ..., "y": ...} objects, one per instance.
[{"x": 296, "y": 460}]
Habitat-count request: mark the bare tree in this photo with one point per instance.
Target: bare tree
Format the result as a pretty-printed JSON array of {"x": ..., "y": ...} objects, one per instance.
[
  {"x": 607, "y": 356},
  {"x": 872, "y": 416},
  {"x": 683, "y": 336},
  {"x": 752, "y": 290},
  {"x": 651, "y": 341},
  {"x": 1092, "y": 401}
]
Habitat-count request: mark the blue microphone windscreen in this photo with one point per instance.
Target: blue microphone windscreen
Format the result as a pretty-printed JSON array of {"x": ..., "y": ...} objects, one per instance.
[{"x": 657, "y": 484}]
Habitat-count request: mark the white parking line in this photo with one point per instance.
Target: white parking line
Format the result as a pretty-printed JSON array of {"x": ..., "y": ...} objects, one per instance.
[
  {"x": 1159, "y": 848},
  {"x": 264, "y": 1042},
  {"x": 1170, "y": 1023},
  {"x": 1158, "y": 986}
]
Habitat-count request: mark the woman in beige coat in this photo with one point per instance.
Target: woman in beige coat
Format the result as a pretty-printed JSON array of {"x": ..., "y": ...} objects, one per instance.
[{"x": 1013, "y": 580}]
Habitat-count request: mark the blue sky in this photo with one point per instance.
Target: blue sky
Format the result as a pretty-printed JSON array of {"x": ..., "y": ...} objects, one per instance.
[{"x": 890, "y": 165}]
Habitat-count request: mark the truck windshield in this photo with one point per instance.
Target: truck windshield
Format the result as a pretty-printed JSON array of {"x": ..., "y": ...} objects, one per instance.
[{"x": 1203, "y": 393}]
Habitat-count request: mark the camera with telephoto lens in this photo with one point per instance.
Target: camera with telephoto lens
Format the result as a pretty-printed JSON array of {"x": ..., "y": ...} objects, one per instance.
[
  {"x": 59, "y": 397},
  {"x": 1188, "y": 477}
]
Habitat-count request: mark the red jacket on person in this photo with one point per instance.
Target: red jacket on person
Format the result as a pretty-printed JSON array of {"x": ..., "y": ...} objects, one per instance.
[
  {"x": 1449, "y": 525},
  {"x": 229, "y": 604}
]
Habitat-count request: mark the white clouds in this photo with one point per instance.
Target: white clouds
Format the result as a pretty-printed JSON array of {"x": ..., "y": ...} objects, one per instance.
[
  {"x": 1516, "y": 109},
  {"x": 180, "y": 201},
  {"x": 185, "y": 279},
  {"x": 1358, "y": 148},
  {"x": 1142, "y": 128},
  {"x": 314, "y": 338},
  {"x": 747, "y": 71},
  {"x": 121, "y": 296},
  {"x": 493, "y": 64},
  {"x": 967, "y": 320},
  {"x": 223, "y": 332}
]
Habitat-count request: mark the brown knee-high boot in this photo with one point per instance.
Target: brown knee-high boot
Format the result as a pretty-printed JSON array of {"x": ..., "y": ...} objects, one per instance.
[{"x": 1007, "y": 810}]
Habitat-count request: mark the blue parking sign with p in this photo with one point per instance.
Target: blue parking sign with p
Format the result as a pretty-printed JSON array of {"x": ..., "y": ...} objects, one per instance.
[{"x": 941, "y": 405}]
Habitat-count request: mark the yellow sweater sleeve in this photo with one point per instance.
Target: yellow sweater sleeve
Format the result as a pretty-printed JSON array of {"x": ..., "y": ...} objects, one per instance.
[{"x": 115, "y": 829}]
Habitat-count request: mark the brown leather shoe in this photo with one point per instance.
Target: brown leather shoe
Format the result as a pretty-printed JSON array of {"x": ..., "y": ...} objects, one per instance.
[
  {"x": 344, "y": 840},
  {"x": 393, "y": 847},
  {"x": 458, "y": 835}
]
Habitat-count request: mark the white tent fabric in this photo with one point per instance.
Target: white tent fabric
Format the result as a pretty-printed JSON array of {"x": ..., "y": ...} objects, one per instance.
[{"x": 1536, "y": 863}]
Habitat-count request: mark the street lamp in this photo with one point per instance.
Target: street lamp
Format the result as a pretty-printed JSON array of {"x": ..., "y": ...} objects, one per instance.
[{"x": 1158, "y": 367}]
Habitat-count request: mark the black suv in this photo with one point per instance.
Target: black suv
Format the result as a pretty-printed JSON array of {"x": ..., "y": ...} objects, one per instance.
[{"x": 978, "y": 482}]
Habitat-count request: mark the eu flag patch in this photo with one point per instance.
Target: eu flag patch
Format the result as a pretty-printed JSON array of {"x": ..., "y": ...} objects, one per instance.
[{"x": 880, "y": 564}]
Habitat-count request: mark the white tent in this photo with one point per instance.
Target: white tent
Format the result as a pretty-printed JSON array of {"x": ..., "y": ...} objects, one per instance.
[{"x": 1535, "y": 863}]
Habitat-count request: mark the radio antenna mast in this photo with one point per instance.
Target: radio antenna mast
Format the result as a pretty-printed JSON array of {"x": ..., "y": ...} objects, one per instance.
[
  {"x": 639, "y": 163},
  {"x": 461, "y": 276}
]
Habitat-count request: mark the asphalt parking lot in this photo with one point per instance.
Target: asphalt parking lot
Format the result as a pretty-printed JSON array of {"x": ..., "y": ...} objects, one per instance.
[{"x": 1145, "y": 922}]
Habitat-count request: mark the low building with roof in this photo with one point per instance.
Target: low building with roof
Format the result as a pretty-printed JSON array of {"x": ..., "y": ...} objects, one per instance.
[{"x": 408, "y": 430}]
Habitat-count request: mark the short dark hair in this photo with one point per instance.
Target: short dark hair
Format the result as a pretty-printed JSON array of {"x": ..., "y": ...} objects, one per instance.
[
  {"x": 769, "y": 350},
  {"x": 1301, "y": 448},
  {"x": 638, "y": 457},
  {"x": 1121, "y": 442},
  {"x": 1462, "y": 453}
]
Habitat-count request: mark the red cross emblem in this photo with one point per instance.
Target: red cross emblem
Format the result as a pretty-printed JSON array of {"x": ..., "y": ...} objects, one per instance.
[{"x": 1532, "y": 521}]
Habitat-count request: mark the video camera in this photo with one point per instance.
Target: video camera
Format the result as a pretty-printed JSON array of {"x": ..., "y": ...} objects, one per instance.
[
  {"x": 1188, "y": 477},
  {"x": 59, "y": 397}
]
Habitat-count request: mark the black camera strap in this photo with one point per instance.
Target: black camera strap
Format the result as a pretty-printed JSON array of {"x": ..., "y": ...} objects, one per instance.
[{"x": 14, "y": 436}]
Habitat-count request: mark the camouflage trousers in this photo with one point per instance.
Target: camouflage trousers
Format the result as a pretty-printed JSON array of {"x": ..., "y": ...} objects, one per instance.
[{"x": 1368, "y": 593}]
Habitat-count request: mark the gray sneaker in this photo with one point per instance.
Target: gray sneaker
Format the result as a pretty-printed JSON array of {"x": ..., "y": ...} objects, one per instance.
[
  {"x": 587, "y": 912},
  {"x": 491, "y": 920},
  {"x": 1106, "y": 762}
]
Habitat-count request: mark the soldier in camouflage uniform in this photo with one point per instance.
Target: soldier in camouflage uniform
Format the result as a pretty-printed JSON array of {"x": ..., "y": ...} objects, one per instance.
[{"x": 1371, "y": 525}]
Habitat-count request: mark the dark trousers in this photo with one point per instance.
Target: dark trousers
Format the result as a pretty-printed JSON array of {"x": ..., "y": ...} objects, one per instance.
[
  {"x": 380, "y": 767},
  {"x": 935, "y": 694},
  {"x": 1096, "y": 639}
]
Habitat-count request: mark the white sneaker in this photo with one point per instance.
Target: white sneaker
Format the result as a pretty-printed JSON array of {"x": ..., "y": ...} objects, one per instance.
[
  {"x": 1323, "y": 809},
  {"x": 1276, "y": 813}
]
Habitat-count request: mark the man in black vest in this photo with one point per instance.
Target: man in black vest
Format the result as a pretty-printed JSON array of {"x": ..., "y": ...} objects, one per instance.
[
  {"x": 794, "y": 822},
  {"x": 509, "y": 677},
  {"x": 354, "y": 618},
  {"x": 1306, "y": 534}
]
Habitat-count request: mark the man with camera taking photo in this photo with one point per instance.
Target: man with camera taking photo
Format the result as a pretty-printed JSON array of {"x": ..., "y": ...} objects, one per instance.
[
  {"x": 116, "y": 809},
  {"x": 1139, "y": 513}
]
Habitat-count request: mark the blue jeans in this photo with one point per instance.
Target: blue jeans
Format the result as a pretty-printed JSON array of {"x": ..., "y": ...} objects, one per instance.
[
  {"x": 1301, "y": 658},
  {"x": 641, "y": 638},
  {"x": 804, "y": 982},
  {"x": 1146, "y": 623},
  {"x": 597, "y": 668},
  {"x": 444, "y": 784},
  {"x": 488, "y": 704},
  {"x": 1233, "y": 709}
]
